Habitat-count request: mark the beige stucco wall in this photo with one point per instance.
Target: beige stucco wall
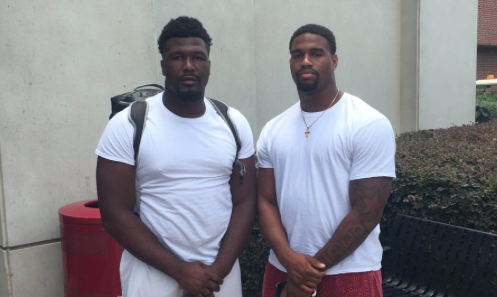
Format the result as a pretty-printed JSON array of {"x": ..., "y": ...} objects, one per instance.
[
  {"x": 367, "y": 37},
  {"x": 61, "y": 61},
  {"x": 438, "y": 63},
  {"x": 4, "y": 274},
  {"x": 409, "y": 75},
  {"x": 447, "y": 62}
]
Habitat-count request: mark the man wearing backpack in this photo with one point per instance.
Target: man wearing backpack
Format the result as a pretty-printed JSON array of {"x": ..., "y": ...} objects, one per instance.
[
  {"x": 325, "y": 171},
  {"x": 195, "y": 214}
]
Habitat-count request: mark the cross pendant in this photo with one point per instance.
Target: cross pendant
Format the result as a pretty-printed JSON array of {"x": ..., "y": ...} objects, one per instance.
[{"x": 307, "y": 132}]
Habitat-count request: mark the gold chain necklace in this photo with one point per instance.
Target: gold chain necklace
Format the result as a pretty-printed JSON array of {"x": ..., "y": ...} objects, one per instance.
[{"x": 307, "y": 132}]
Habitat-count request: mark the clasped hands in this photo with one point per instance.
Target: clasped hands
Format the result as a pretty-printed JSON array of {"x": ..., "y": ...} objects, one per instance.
[
  {"x": 303, "y": 275},
  {"x": 198, "y": 279}
]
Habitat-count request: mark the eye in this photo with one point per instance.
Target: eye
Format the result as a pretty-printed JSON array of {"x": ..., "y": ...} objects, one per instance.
[
  {"x": 176, "y": 58},
  {"x": 317, "y": 55},
  {"x": 198, "y": 58},
  {"x": 296, "y": 56}
]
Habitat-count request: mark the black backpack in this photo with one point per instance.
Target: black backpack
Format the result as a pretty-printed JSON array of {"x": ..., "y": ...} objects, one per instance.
[
  {"x": 138, "y": 114},
  {"x": 482, "y": 115},
  {"x": 140, "y": 93}
]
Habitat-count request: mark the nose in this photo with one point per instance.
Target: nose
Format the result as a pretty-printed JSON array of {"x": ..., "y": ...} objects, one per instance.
[
  {"x": 188, "y": 65},
  {"x": 306, "y": 62}
]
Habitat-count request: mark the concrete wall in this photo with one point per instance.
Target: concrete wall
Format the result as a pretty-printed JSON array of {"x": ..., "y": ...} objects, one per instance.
[
  {"x": 409, "y": 76},
  {"x": 61, "y": 61},
  {"x": 447, "y": 62},
  {"x": 4, "y": 274},
  {"x": 37, "y": 271},
  {"x": 367, "y": 35},
  {"x": 438, "y": 63}
]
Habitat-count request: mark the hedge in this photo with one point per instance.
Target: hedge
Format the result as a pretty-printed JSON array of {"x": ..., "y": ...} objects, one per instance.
[
  {"x": 446, "y": 175},
  {"x": 253, "y": 262}
]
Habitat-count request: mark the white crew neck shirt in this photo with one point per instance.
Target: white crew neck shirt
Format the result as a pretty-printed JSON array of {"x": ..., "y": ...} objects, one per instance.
[
  {"x": 184, "y": 166},
  {"x": 350, "y": 141}
]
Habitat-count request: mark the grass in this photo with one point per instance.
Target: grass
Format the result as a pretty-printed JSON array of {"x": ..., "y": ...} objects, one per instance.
[{"x": 488, "y": 101}]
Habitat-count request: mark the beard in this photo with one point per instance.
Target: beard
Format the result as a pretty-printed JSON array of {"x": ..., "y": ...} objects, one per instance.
[
  {"x": 307, "y": 87},
  {"x": 190, "y": 95}
]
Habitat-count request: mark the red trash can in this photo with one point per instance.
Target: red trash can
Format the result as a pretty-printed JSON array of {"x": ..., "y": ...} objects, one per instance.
[{"x": 90, "y": 256}]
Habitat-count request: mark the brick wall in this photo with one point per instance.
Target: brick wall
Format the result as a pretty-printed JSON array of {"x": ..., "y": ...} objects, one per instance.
[
  {"x": 486, "y": 62},
  {"x": 487, "y": 22},
  {"x": 487, "y": 36}
]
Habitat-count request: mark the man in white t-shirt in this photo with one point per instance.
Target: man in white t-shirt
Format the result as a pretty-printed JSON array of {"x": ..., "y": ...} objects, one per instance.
[
  {"x": 195, "y": 216},
  {"x": 326, "y": 166}
]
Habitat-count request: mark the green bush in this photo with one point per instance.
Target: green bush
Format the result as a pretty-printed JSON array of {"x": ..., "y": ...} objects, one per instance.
[
  {"x": 253, "y": 262},
  {"x": 488, "y": 101},
  {"x": 447, "y": 175}
]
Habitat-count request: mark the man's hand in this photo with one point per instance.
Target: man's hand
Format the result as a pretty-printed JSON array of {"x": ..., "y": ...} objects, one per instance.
[
  {"x": 197, "y": 280},
  {"x": 292, "y": 290},
  {"x": 218, "y": 270},
  {"x": 303, "y": 270}
]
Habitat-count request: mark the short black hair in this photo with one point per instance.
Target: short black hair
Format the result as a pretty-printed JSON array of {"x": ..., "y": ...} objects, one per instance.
[
  {"x": 183, "y": 27},
  {"x": 319, "y": 30}
]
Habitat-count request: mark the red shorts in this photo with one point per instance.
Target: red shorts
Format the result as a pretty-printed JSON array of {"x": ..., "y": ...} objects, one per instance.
[{"x": 359, "y": 284}]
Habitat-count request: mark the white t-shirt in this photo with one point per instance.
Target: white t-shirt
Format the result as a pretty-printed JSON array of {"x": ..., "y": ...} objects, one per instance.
[
  {"x": 350, "y": 141},
  {"x": 184, "y": 166}
]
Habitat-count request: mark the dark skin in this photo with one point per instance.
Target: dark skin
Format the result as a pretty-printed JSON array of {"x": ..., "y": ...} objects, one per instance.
[
  {"x": 312, "y": 63},
  {"x": 186, "y": 67}
]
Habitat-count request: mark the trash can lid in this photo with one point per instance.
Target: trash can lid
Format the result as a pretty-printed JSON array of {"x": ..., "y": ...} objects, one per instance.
[{"x": 83, "y": 212}]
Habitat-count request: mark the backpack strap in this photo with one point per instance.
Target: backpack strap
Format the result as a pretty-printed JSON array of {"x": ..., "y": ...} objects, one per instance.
[
  {"x": 222, "y": 110},
  {"x": 137, "y": 116}
]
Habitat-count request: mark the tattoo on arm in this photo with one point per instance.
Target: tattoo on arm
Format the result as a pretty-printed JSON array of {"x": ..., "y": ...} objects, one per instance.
[{"x": 368, "y": 198}]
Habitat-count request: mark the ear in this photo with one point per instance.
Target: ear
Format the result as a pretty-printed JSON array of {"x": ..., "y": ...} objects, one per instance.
[
  {"x": 163, "y": 67},
  {"x": 209, "y": 67},
  {"x": 334, "y": 61}
]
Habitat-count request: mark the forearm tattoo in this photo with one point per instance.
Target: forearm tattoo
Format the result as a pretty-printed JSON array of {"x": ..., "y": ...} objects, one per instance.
[{"x": 368, "y": 198}]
